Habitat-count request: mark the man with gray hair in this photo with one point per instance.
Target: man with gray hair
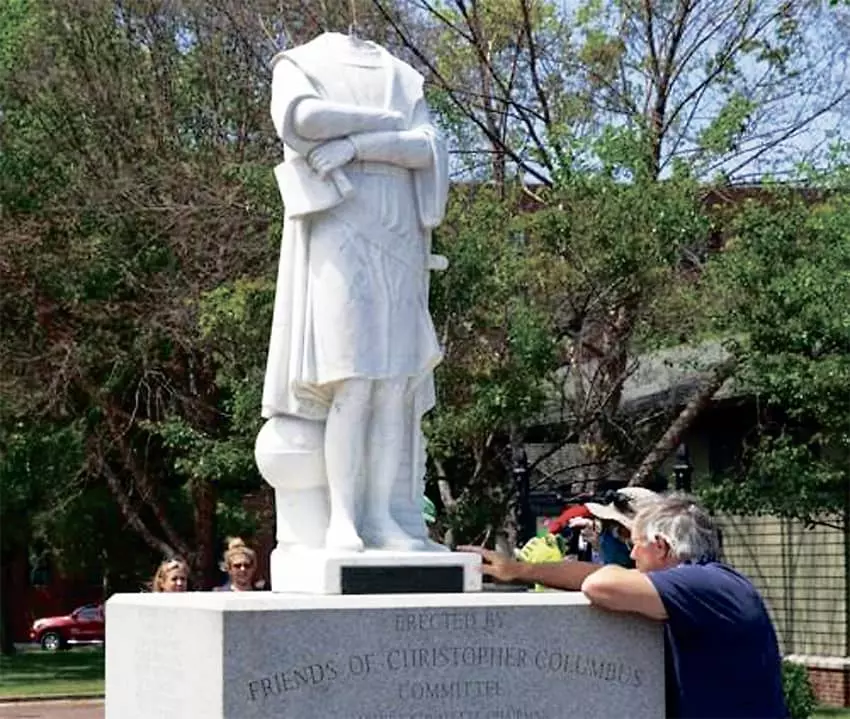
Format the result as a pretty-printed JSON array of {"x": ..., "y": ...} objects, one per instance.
[{"x": 722, "y": 657}]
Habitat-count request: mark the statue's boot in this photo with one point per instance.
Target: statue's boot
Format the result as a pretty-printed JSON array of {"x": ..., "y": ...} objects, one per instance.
[
  {"x": 381, "y": 531},
  {"x": 342, "y": 536}
]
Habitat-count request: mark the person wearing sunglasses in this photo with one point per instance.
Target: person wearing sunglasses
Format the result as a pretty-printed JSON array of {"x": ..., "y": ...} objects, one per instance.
[
  {"x": 240, "y": 563},
  {"x": 722, "y": 656},
  {"x": 608, "y": 528}
]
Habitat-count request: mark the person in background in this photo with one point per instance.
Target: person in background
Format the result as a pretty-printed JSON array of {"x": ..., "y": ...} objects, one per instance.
[
  {"x": 172, "y": 575},
  {"x": 608, "y": 528},
  {"x": 577, "y": 544},
  {"x": 240, "y": 563},
  {"x": 722, "y": 656}
]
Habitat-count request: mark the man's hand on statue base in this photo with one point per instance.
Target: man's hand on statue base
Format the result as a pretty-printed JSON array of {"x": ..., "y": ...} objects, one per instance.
[{"x": 495, "y": 564}]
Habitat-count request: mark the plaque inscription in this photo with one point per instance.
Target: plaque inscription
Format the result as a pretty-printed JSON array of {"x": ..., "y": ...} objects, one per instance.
[{"x": 469, "y": 663}]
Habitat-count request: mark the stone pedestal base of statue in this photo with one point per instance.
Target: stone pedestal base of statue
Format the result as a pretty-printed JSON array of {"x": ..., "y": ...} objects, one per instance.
[
  {"x": 481, "y": 655},
  {"x": 319, "y": 571}
]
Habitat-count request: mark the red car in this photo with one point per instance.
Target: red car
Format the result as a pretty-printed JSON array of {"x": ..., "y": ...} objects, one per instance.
[{"x": 85, "y": 625}]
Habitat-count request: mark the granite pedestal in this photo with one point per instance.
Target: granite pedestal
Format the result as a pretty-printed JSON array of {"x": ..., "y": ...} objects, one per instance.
[{"x": 487, "y": 655}]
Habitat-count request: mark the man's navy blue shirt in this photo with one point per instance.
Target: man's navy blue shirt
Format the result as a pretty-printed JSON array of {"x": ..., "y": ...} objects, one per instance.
[{"x": 722, "y": 656}]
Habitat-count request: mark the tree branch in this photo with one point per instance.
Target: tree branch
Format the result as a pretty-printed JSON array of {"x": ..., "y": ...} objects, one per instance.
[
  {"x": 453, "y": 96},
  {"x": 673, "y": 436},
  {"x": 535, "y": 75},
  {"x": 140, "y": 477},
  {"x": 130, "y": 513}
]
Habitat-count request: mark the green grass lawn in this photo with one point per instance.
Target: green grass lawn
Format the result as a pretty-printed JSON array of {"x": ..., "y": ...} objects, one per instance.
[
  {"x": 39, "y": 673},
  {"x": 831, "y": 713}
]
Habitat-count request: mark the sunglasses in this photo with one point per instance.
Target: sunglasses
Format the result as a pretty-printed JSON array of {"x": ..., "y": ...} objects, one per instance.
[
  {"x": 242, "y": 565},
  {"x": 621, "y": 501}
]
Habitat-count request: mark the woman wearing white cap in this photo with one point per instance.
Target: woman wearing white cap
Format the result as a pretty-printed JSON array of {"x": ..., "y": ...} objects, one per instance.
[{"x": 616, "y": 516}]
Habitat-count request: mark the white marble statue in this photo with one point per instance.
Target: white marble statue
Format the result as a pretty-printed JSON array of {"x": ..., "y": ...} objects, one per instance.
[{"x": 353, "y": 347}]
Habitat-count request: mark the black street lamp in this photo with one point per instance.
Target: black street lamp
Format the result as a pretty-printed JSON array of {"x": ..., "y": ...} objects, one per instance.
[
  {"x": 525, "y": 517},
  {"x": 683, "y": 470}
]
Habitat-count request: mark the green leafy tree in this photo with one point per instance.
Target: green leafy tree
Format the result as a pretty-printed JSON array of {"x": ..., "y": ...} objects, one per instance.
[
  {"x": 785, "y": 279},
  {"x": 531, "y": 317},
  {"x": 500, "y": 349},
  {"x": 134, "y": 182}
]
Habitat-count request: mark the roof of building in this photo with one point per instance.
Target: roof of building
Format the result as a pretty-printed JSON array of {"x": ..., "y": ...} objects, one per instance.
[{"x": 665, "y": 377}]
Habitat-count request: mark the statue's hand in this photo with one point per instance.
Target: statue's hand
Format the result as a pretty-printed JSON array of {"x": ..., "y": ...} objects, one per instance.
[{"x": 330, "y": 156}]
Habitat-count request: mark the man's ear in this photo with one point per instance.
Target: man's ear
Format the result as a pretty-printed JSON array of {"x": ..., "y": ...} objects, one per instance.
[{"x": 662, "y": 544}]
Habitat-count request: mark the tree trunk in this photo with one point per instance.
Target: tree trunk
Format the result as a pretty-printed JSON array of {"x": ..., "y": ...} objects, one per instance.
[
  {"x": 672, "y": 438},
  {"x": 602, "y": 397},
  {"x": 7, "y": 640},
  {"x": 204, "y": 498}
]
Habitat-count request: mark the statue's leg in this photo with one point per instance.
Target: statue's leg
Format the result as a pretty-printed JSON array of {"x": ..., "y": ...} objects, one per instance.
[
  {"x": 385, "y": 443},
  {"x": 345, "y": 443}
]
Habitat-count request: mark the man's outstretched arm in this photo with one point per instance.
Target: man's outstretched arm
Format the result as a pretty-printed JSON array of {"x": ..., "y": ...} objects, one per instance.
[
  {"x": 611, "y": 587},
  {"x": 558, "y": 575}
]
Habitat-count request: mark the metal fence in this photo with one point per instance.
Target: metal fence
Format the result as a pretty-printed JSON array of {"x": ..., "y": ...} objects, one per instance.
[{"x": 802, "y": 575}]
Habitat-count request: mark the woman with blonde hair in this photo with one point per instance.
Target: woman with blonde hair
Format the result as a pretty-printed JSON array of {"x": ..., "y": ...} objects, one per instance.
[
  {"x": 172, "y": 575},
  {"x": 240, "y": 563}
]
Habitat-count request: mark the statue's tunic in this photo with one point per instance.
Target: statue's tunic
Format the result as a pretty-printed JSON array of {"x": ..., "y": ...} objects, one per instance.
[{"x": 352, "y": 290}]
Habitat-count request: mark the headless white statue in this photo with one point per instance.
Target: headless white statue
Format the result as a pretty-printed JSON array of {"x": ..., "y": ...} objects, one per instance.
[{"x": 352, "y": 344}]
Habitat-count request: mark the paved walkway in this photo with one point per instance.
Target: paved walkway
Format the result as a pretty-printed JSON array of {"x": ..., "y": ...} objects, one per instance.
[{"x": 79, "y": 709}]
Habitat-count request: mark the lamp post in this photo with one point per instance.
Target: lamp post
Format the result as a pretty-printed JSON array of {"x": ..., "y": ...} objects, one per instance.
[
  {"x": 683, "y": 470},
  {"x": 525, "y": 517}
]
